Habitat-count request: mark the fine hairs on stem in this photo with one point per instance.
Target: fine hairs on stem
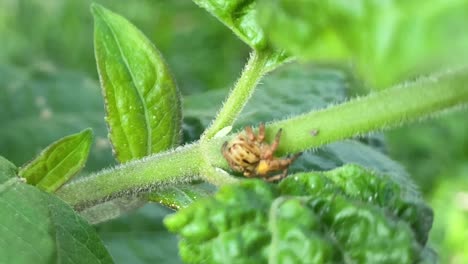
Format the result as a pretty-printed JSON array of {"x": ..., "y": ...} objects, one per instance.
[
  {"x": 240, "y": 93},
  {"x": 389, "y": 108}
]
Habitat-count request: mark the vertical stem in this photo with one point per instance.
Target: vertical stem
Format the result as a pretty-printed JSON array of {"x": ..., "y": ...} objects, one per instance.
[{"x": 240, "y": 94}]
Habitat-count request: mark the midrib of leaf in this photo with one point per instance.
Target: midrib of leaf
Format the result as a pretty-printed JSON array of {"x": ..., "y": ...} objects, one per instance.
[
  {"x": 140, "y": 96},
  {"x": 50, "y": 171}
]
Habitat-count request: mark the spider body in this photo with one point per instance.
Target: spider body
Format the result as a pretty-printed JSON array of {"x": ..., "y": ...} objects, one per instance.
[{"x": 250, "y": 155}]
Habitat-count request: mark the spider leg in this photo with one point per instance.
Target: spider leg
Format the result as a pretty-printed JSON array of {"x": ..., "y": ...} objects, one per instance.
[
  {"x": 261, "y": 132},
  {"x": 278, "y": 176},
  {"x": 275, "y": 143},
  {"x": 295, "y": 156},
  {"x": 283, "y": 163},
  {"x": 268, "y": 152},
  {"x": 250, "y": 134}
]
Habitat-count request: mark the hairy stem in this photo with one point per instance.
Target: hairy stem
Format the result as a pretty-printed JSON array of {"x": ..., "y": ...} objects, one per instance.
[
  {"x": 389, "y": 108},
  {"x": 203, "y": 159},
  {"x": 240, "y": 94},
  {"x": 179, "y": 166}
]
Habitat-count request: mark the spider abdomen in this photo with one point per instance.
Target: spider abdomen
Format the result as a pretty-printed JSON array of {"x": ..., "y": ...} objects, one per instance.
[{"x": 242, "y": 154}]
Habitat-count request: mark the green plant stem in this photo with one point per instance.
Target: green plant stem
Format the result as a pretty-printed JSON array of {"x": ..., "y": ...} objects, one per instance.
[
  {"x": 240, "y": 94},
  {"x": 378, "y": 111},
  {"x": 389, "y": 108},
  {"x": 178, "y": 166}
]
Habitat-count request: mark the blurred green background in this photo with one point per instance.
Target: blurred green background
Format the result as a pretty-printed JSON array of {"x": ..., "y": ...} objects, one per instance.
[{"x": 46, "y": 56}]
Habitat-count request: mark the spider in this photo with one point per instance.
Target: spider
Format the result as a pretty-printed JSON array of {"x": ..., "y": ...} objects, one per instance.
[{"x": 249, "y": 154}]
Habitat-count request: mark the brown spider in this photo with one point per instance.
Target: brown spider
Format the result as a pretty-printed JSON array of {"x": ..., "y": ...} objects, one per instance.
[{"x": 253, "y": 157}]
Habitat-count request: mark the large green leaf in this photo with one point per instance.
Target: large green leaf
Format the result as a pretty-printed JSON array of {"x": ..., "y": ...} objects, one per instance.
[
  {"x": 140, "y": 237},
  {"x": 141, "y": 98},
  {"x": 347, "y": 215},
  {"x": 36, "y": 227},
  {"x": 388, "y": 41},
  {"x": 38, "y": 105},
  {"x": 59, "y": 162}
]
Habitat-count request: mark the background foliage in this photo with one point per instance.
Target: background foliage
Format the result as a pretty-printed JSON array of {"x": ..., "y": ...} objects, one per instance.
[{"x": 49, "y": 89}]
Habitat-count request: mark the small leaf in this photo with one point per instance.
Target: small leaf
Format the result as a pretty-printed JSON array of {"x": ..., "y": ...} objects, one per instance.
[
  {"x": 240, "y": 17},
  {"x": 141, "y": 97},
  {"x": 388, "y": 41},
  {"x": 37, "y": 227},
  {"x": 59, "y": 162}
]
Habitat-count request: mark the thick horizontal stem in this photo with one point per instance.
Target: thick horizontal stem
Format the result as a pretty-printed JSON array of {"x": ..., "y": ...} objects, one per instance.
[
  {"x": 181, "y": 165},
  {"x": 377, "y": 111}
]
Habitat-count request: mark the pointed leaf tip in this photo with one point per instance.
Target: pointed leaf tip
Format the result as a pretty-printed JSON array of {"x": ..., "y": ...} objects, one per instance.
[{"x": 95, "y": 7}]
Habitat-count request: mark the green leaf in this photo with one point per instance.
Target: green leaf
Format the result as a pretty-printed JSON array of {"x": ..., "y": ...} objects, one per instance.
[
  {"x": 141, "y": 98},
  {"x": 8, "y": 173},
  {"x": 397, "y": 197},
  {"x": 140, "y": 237},
  {"x": 37, "y": 227},
  {"x": 387, "y": 41},
  {"x": 41, "y": 104},
  {"x": 240, "y": 17},
  {"x": 353, "y": 151},
  {"x": 180, "y": 196},
  {"x": 173, "y": 196},
  {"x": 296, "y": 89},
  {"x": 348, "y": 215},
  {"x": 277, "y": 96},
  {"x": 59, "y": 162}
]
